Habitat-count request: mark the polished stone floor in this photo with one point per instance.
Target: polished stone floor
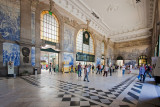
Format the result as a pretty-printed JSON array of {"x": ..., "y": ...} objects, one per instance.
[{"x": 64, "y": 90}]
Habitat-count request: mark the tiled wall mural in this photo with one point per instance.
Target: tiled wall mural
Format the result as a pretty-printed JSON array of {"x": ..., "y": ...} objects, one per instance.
[
  {"x": 33, "y": 27},
  {"x": 68, "y": 57},
  {"x": 130, "y": 62},
  {"x": 11, "y": 52},
  {"x": 68, "y": 38},
  {"x": 10, "y": 19},
  {"x": 133, "y": 54},
  {"x": 33, "y": 56},
  {"x": 98, "y": 61},
  {"x": 98, "y": 52}
]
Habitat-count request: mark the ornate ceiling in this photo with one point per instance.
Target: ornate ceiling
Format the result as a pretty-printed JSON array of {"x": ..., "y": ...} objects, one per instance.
[{"x": 119, "y": 20}]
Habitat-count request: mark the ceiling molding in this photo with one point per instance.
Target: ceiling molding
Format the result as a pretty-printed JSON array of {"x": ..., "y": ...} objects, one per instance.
[
  {"x": 77, "y": 9},
  {"x": 133, "y": 37},
  {"x": 140, "y": 31},
  {"x": 142, "y": 12}
]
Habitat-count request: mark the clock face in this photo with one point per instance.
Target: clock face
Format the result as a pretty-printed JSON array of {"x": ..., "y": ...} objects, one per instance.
[{"x": 86, "y": 36}]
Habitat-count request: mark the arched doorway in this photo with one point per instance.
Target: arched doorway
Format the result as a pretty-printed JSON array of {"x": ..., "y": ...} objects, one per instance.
[
  {"x": 142, "y": 60},
  {"x": 119, "y": 60},
  {"x": 84, "y": 48},
  {"x": 49, "y": 33}
]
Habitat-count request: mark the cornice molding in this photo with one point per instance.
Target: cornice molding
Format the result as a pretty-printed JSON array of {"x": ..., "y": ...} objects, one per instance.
[{"x": 80, "y": 10}]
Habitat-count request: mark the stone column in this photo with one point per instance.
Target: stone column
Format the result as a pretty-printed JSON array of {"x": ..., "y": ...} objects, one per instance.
[
  {"x": 38, "y": 41},
  {"x": 25, "y": 38},
  {"x": 3, "y": 70},
  {"x": 106, "y": 50}
]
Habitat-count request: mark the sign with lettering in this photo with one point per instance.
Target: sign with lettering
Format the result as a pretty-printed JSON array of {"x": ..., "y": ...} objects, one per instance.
[{"x": 85, "y": 57}]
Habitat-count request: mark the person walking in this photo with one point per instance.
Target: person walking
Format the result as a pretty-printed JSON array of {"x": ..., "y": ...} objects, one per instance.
[
  {"x": 54, "y": 67},
  {"x": 106, "y": 68},
  {"x": 113, "y": 67},
  {"x": 92, "y": 68},
  {"x": 123, "y": 69},
  {"x": 72, "y": 69},
  {"x": 89, "y": 66},
  {"x": 86, "y": 72},
  {"x": 101, "y": 68},
  {"x": 142, "y": 73},
  {"x": 147, "y": 70},
  {"x": 50, "y": 68},
  {"x": 79, "y": 70},
  {"x": 98, "y": 69},
  {"x": 110, "y": 70}
]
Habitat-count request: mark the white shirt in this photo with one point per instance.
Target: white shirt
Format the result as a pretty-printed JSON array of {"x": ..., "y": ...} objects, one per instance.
[
  {"x": 88, "y": 69},
  {"x": 123, "y": 67},
  {"x": 106, "y": 68}
]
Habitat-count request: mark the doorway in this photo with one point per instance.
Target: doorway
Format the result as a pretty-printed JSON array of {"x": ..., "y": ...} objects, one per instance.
[
  {"x": 142, "y": 60},
  {"x": 46, "y": 59},
  {"x": 119, "y": 61}
]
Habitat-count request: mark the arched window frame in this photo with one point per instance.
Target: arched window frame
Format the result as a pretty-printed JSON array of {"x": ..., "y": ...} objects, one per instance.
[
  {"x": 82, "y": 45},
  {"x": 54, "y": 37}
]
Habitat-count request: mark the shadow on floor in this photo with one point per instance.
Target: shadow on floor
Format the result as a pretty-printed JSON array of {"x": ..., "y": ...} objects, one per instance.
[{"x": 150, "y": 103}]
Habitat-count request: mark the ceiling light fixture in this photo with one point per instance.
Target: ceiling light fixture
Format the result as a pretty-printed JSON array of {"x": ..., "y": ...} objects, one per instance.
[
  {"x": 95, "y": 15},
  {"x": 137, "y": 1}
]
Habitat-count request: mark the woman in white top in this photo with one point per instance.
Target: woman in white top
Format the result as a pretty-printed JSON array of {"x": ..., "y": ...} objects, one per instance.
[
  {"x": 123, "y": 69},
  {"x": 106, "y": 68}
]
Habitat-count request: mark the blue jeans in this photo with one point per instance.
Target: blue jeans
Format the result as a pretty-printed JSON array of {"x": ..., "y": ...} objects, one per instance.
[
  {"x": 147, "y": 72},
  {"x": 123, "y": 71},
  {"x": 86, "y": 76},
  {"x": 72, "y": 70},
  {"x": 79, "y": 73},
  {"x": 98, "y": 71}
]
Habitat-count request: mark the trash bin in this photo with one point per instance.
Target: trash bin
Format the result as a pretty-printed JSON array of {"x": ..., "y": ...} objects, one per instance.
[{"x": 35, "y": 71}]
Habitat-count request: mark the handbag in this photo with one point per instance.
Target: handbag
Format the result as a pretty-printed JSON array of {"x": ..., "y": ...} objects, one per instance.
[{"x": 139, "y": 77}]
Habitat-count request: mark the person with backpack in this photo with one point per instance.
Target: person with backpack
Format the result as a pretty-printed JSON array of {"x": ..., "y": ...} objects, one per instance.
[
  {"x": 147, "y": 70},
  {"x": 98, "y": 68}
]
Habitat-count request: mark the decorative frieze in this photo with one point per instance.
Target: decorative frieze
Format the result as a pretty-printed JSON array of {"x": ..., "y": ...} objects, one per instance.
[{"x": 72, "y": 23}]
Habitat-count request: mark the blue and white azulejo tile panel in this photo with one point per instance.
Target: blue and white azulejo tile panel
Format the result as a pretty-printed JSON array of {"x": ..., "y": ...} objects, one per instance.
[
  {"x": 68, "y": 38},
  {"x": 33, "y": 56},
  {"x": 68, "y": 57},
  {"x": 11, "y": 52},
  {"x": 10, "y": 19}
]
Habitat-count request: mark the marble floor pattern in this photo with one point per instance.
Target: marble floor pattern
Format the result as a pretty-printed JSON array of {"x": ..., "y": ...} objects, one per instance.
[{"x": 65, "y": 90}]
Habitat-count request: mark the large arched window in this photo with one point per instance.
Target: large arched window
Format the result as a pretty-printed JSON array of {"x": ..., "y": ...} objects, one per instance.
[
  {"x": 49, "y": 27},
  {"x": 81, "y": 47}
]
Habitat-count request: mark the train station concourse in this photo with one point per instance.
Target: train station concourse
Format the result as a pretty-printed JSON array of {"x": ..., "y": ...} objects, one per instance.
[{"x": 79, "y": 53}]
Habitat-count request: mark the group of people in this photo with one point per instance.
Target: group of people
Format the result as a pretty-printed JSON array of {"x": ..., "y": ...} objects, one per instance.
[
  {"x": 100, "y": 68},
  {"x": 143, "y": 71},
  {"x": 87, "y": 69},
  {"x": 106, "y": 69},
  {"x": 50, "y": 68}
]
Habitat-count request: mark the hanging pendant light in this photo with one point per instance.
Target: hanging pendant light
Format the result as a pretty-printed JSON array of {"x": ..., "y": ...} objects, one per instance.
[{"x": 137, "y": 1}]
